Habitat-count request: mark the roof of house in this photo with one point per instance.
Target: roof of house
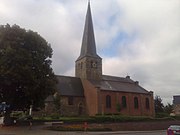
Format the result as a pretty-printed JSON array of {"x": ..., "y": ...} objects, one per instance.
[
  {"x": 176, "y": 99},
  {"x": 69, "y": 86},
  {"x": 120, "y": 84}
]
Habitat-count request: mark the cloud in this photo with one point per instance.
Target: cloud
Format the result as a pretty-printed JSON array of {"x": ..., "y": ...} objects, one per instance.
[
  {"x": 152, "y": 55},
  {"x": 138, "y": 38}
]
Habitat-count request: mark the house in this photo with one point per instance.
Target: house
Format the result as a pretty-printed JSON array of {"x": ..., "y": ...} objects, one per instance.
[
  {"x": 91, "y": 92},
  {"x": 176, "y": 103}
]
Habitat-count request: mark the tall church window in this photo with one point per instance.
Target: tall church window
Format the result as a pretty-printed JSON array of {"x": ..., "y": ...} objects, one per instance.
[
  {"x": 136, "y": 104},
  {"x": 147, "y": 103},
  {"x": 70, "y": 100},
  {"x": 108, "y": 101},
  {"x": 124, "y": 104}
]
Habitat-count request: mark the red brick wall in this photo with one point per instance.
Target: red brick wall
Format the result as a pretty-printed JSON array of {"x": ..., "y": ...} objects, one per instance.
[
  {"x": 116, "y": 97},
  {"x": 91, "y": 97},
  {"x": 96, "y": 101}
]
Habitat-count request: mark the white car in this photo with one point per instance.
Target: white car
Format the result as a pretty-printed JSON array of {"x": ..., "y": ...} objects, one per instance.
[{"x": 173, "y": 130}]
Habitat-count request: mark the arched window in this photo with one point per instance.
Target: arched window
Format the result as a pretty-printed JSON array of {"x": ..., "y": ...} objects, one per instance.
[
  {"x": 108, "y": 101},
  {"x": 147, "y": 103},
  {"x": 124, "y": 104},
  {"x": 136, "y": 105}
]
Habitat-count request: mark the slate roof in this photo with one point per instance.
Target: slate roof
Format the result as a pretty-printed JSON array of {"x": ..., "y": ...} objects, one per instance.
[
  {"x": 120, "y": 84},
  {"x": 69, "y": 86},
  {"x": 176, "y": 99},
  {"x": 88, "y": 47},
  {"x": 72, "y": 86}
]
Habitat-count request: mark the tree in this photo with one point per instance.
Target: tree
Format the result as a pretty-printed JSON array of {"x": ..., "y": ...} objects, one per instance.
[
  {"x": 26, "y": 76},
  {"x": 168, "y": 108},
  {"x": 158, "y": 104}
]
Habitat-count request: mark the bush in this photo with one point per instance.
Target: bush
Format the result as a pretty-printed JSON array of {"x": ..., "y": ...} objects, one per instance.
[
  {"x": 162, "y": 115},
  {"x": 105, "y": 119},
  {"x": 55, "y": 116},
  {"x": 176, "y": 117},
  {"x": 17, "y": 114}
]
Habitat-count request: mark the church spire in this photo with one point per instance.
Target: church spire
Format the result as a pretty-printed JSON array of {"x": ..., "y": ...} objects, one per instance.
[
  {"x": 88, "y": 47},
  {"x": 89, "y": 64}
]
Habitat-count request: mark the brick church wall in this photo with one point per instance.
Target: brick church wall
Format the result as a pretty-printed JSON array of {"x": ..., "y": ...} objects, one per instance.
[
  {"x": 116, "y": 98},
  {"x": 96, "y": 101},
  {"x": 91, "y": 96}
]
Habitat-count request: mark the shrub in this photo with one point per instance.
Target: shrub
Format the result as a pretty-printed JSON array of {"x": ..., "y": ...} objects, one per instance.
[
  {"x": 17, "y": 114},
  {"x": 55, "y": 116},
  {"x": 162, "y": 115}
]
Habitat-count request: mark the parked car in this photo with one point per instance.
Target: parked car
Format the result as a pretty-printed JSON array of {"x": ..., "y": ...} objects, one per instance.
[{"x": 173, "y": 130}]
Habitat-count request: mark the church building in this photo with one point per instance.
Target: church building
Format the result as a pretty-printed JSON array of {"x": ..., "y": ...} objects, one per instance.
[{"x": 90, "y": 92}]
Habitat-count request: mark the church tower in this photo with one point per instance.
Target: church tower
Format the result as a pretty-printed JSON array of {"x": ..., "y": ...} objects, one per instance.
[{"x": 88, "y": 64}]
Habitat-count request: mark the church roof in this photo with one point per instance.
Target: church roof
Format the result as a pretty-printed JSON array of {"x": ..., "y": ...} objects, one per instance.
[
  {"x": 88, "y": 47},
  {"x": 120, "y": 84},
  {"x": 69, "y": 86},
  {"x": 72, "y": 86}
]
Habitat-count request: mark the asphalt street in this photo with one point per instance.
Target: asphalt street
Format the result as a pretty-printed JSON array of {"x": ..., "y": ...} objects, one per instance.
[{"x": 40, "y": 131}]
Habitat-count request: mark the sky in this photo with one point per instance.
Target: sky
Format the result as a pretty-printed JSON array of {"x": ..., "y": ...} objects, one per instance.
[{"x": 139, "y": 38}]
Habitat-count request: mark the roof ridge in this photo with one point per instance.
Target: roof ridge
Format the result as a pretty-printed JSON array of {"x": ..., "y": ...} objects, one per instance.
[
  {"x": 66, "y": 76},
  {"x": 117, "y": 77}
]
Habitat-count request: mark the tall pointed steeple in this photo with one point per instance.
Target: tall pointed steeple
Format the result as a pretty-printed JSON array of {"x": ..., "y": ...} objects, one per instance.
[
  {"x": 89, "y": 64},
  {"x": 88, "y": 47}
]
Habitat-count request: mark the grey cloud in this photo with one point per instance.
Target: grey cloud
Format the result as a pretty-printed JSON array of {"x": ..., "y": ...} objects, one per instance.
[{"x": 151, "y": 57}]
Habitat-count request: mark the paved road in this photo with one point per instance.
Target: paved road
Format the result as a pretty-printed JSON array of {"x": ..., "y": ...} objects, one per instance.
[{"x": 40, "y": 131}]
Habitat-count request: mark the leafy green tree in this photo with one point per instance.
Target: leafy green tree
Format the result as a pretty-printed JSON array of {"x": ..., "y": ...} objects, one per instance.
[
  {"x": 26, "y": 76},
  {"x": 158, "y": 104},
  {"x": 168, "y": 108}
]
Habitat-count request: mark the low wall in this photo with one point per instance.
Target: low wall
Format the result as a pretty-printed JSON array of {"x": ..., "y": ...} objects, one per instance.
[{"x": 137, "y": 126}]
